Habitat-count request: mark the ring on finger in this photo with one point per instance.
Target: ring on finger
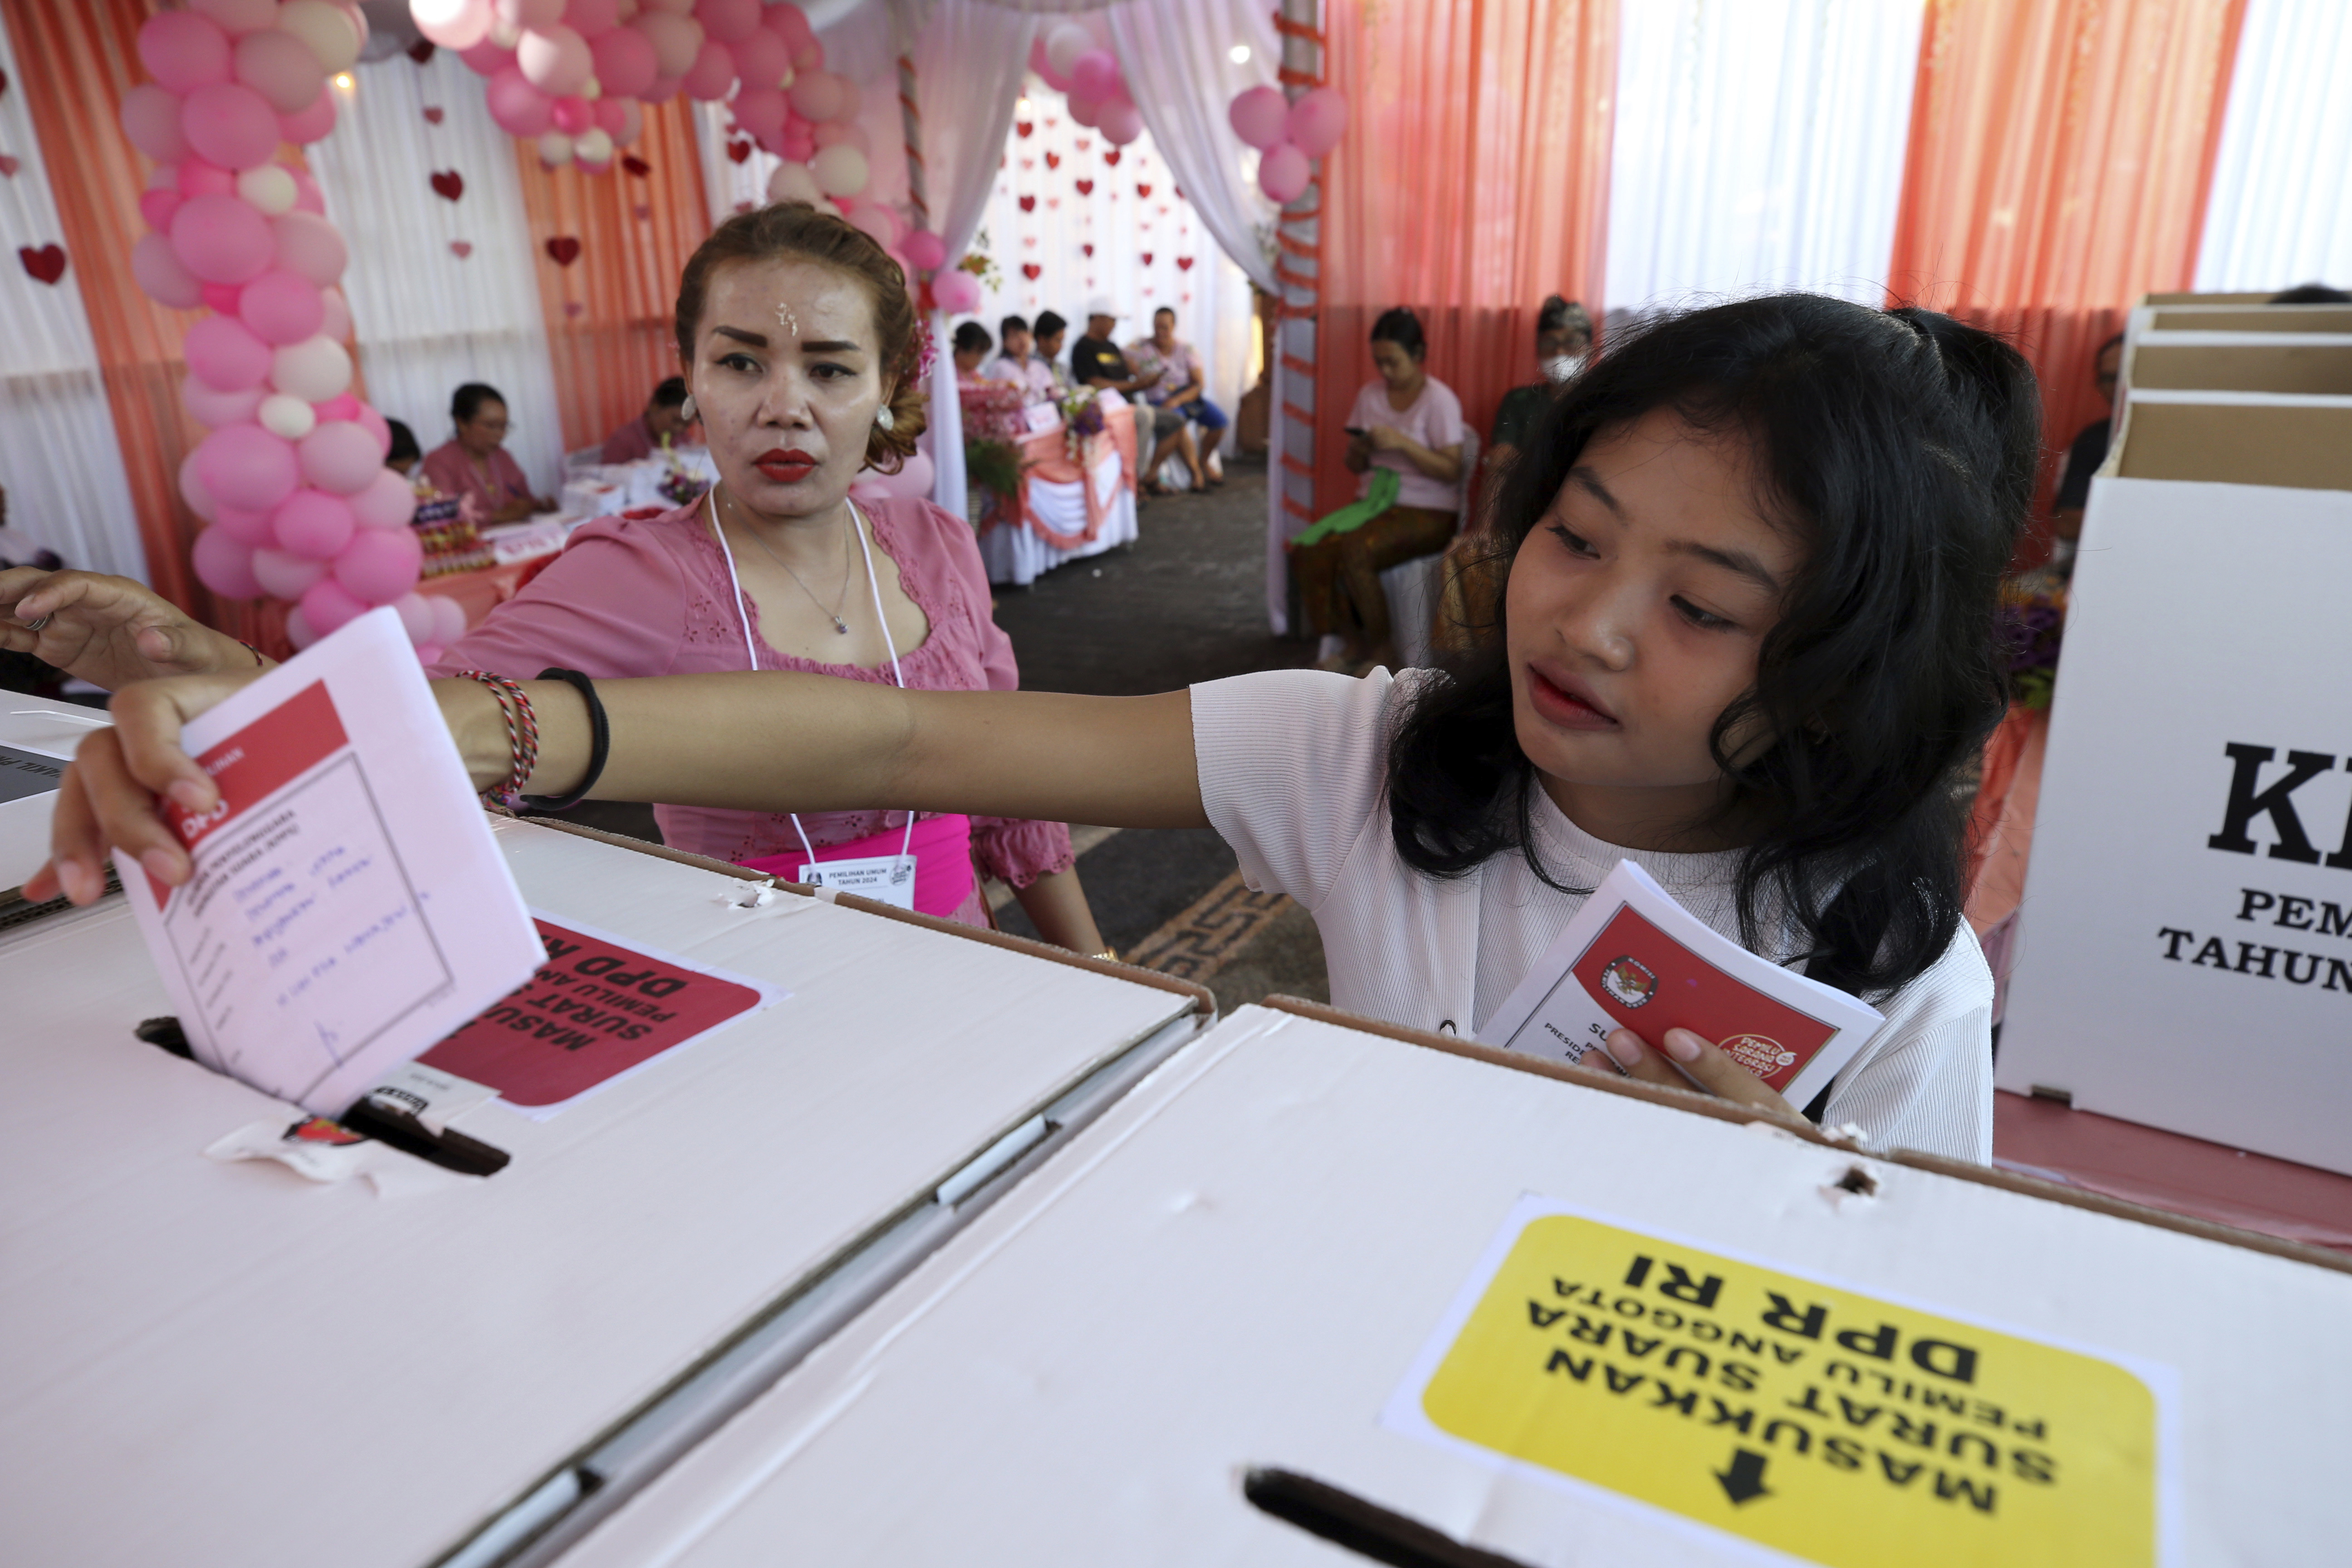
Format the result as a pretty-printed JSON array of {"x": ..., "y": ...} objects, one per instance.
[{"x": 35, "y": 626}]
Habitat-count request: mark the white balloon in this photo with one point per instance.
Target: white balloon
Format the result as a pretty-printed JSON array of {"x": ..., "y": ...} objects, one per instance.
[
  {"x": 269, "y": 188},
  {"x": 840, "y": 169},
  {"x": 595, "y": 146},
  {"x": 1064, "y": 44},
  {"x": 283, "y": 414},
  {"x": 326, "y": 29},
  {"x": 313, "y": 370},
  {"x": 793, "y": 183},
  {"x": 554, "y": 149}
]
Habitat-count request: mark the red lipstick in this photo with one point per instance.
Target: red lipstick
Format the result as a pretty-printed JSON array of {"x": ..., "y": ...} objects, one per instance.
[
  {"x": 785, "y": 466},
  {"x": 1564, "y": 700}
]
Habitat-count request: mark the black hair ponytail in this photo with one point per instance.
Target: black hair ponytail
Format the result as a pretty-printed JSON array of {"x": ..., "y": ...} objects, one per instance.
[{"x": 1400, "y": 326}]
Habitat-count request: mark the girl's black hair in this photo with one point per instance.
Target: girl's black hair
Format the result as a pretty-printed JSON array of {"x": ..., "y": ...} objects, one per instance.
[
  {"x": 1400, "y": 326},
  {"x": 468, "y": 400},
  {"x": 972, "y": 335},
  {"x": 404, "y": 447},
  {"x": 1903, "y": 447}
]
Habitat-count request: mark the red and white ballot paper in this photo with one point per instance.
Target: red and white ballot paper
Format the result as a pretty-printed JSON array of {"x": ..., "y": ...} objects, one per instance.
[
  {"x": 1634, "y": 958},
  {"x": 348, "y": 907}
]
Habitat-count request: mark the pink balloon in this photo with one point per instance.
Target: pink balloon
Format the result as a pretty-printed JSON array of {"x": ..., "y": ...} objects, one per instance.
[
  {"x": 305, "y": 244},
  {"x": 956, "y": 291},
  {"x": 761, "y": 58},
  {"x": 875, "y": 220},
  {"x": 310, "y": 124},
  {"x": 156, "y": 207},
  {"x": 1120, "y": 121},
  {"x": 380, "y": 564},
  {"x": 519, "y": 108},
  {"x": 835, "y": 131},
  {"x": 809, "y": 57},
  {"x": 313, "y": 525},
  {"x": 222, "y": 563},
  {"x": 790, "y": 23},
  {"x": 1259, "y": 117},
  {"x": 307, "y": 197},
  {"x": 633, "y": 123},
  {"x": 246, "y": 466},
  {"x": 281, "y": 307},
  {"x": 160, "y": 273},
  {"x": 611, "y": 117},
  {"x": 329, "y": 607},
  {"x": 340, "y": 457},
  {"x": 797, "y": 147},
  {"x": 1283, "y": 173},
  {"x": 675, "y": 41},
  {"x": 1317, "y": 121},
  {"x": 387, "y": 502},
  {"x": 664, "y": 89},
  {"x": 335, "y": 315},
  {"x": 533, "y": 13},
  {"x": 201, "y": 501},
  {"x": 251, "y": 528},
  {"x": 379, "y": 431},
  {"x": 222, "y": 298},
  {"x": 728, "y": 21},
  {"x": 429, "y": 654},
  {"x": 818, "y": 95},
  {"x": 486, "y": 58},
  {"x": 281, "y": 69},
  {"x": 913, "y": 480},
  {"x": 591, "y": 17},
  {"x": 342, "y": 405},
  {"x": 298, "y": 625},
  {"x": 625, "y": 63},
  {"x": 183, "y": 51},
  {"x": 448, "y": 620},
  {"x": 713, "y": 72},
  {"x": 213, "y": 408},
  {"x": 284, "y": 576},
  {"x": 1044, "y": 66},
  {"x": 925, "y": 249},
  {"x": 150, "y": 118},
  {"x": 573, "y": 116},
  {"x": 761, "y": 110},
  {"x": 237, "y": 18},
  {"x": 227, "y": 125},
  {"x": 457, "y": 25},
  {"x": 555, "y": 59},
  {"x": 198, "y": 178},
  {"x": 223, "y": 354},
  {"x": 1087, "y": 112},
  {"x": 1096, "y": 74},
  {"x": 416, "y": 613}
]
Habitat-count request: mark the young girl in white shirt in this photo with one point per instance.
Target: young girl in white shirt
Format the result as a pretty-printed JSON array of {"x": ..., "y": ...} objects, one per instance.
[{"x": 1746, "y": 640}]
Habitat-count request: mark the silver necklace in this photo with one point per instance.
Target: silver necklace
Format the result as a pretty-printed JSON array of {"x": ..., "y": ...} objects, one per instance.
[{"x": 848, "y": 570}]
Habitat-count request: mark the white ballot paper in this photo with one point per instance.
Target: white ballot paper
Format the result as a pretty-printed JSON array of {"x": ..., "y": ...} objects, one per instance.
[
  {"x": 348, "y": 907},
  {"x": 1634, "y": 958}
]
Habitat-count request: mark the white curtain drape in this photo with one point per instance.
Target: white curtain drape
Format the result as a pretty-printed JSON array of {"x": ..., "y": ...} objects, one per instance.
[
  {"x": 1757, "y": 146},
  {"x": 2277, "y": 215},
  {"x": 426, "y": 318},
  {"x": 971, "y": 57},
  {"x": 59, "y": 459},
  {"x": 1178, "y": 58}
]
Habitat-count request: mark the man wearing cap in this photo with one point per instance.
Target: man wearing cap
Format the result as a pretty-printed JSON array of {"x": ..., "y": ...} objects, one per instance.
[{"x": 1097, "y": 361}]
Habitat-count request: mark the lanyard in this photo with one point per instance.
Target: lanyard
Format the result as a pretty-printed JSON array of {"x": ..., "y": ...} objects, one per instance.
[{"x": 751, "y": 650}]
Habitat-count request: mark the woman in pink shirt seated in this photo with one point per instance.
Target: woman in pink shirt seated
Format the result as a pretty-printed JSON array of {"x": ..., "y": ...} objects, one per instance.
[
  {"x": 663, "y": 420},
  {"x": 474, "y": 466}
]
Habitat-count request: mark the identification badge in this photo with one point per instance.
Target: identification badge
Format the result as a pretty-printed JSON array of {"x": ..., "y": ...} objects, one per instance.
[{"x": 887, "y": 879}]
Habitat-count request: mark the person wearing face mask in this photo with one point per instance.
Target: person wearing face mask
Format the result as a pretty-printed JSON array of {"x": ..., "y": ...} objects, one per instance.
[
  {"x": 804, "y": 366},
  {"x": 1563, "y": 342}
]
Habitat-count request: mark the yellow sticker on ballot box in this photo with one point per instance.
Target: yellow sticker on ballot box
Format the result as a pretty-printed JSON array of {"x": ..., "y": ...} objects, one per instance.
[{"x": 1833, "y": 1425}]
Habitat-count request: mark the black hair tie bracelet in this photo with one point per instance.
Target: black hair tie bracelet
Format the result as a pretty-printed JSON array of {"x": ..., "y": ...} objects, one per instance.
[{"x": 600, "y": 740}]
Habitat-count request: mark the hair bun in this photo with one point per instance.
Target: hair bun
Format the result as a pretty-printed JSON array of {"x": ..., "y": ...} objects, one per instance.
[{"x": 1992, "y": 383}]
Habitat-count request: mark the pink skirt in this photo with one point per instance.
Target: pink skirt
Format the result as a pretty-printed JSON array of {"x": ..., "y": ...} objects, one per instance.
[{"x": 942, "y": 847}]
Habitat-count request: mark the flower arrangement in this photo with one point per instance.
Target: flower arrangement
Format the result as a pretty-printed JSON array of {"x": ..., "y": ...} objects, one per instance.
[
  {"x": 2033, "y": 624},
  {"x": 994, "y": 466},
  {"x": 680, "y": 485},
  {"x": 1082, "y": 417},
  {"x": 980, "y": 265}
]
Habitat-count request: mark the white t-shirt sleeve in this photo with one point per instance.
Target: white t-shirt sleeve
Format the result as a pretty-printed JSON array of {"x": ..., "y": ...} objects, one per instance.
[
  {"x": 1293, "y": 765},
  {"x": 1444, "y": 417},
  {"x": 1925, "y": 1082}
]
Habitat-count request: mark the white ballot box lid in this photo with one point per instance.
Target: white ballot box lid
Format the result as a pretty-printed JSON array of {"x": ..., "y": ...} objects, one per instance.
[
  {"x": 223, "y": 1363},
  {"x": 1260, "y": 1258},
  {"x": 38, "y": 736}
]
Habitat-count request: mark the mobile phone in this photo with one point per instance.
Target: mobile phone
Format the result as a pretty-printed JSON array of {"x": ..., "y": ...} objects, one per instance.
[{"x": 1355, "y": 430}]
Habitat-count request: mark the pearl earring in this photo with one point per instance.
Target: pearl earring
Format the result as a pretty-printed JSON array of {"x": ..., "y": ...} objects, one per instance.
[
  {"x": 885, "y": 419},
  {"x": 686, "y": 410}
]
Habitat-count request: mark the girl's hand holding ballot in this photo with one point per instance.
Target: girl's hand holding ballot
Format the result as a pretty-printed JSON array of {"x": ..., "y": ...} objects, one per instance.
[{"x": 1695, "y": 1062}]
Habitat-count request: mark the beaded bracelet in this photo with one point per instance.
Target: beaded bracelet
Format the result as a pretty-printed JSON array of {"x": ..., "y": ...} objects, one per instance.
[{"x": 522, "y": 734}]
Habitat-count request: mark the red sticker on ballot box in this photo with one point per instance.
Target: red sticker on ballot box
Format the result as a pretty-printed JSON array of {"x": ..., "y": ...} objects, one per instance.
[{"x": 597, "y": 1009}]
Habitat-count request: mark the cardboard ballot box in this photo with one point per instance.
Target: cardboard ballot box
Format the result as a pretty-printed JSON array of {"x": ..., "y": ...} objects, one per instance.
[
  {"x": 1315, "y": 1278},
  {"x": 38, "y": 738},
  {"x": 223, "y": 1363},
  {"x": 2184, "y": 939},
  {"x": 2307, "y": 361},
  {"x": 2243, "y": 318}
]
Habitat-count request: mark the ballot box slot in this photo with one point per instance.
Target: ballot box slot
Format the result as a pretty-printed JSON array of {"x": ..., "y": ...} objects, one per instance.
[
  {"x": 19, "y": 911},
  {"x": 622, "y": 1461},
  {"x": 1358, "y": 1525}
]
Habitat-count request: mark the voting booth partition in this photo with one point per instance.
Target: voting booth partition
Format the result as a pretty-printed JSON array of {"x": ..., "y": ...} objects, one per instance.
[
  {"x": 225, "y": 1364},
  {"x": 2185, "y": 949},
  {"x": 1322, "y": 1290}
]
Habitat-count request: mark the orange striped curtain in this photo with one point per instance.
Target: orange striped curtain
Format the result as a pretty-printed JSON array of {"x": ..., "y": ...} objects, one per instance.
[
  {"x": 2061, "y": 151},
  {"x": 611, "y": 248},
  {"x": 1474, "y": 180}
]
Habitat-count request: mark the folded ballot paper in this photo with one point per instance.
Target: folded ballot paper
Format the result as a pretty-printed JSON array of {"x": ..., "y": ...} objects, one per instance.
[
  {"x": 1635, "y": 959},
  {"x": 348, "y": 907}
]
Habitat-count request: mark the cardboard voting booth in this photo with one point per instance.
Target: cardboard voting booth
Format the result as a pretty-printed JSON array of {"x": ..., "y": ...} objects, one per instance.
[
  {"x": 2185, "y": 945},
  {"x": 225, "y": 1363},
  {"x": 2318, "y": 363},
  {"x": 1314, "y": 1283},
  {"x": 38, "y": 738}
]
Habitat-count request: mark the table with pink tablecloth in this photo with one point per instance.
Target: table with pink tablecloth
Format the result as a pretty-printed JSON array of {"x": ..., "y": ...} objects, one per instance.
[{"x": 1065, "y": 509}]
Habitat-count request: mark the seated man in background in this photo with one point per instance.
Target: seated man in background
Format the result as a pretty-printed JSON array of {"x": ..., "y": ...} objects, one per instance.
[
  {"x": 2083, "y": 457},
  {"x": 664, "y": 415},
  {"x": 1050, "y": 330},
  {"x": 1176, "y": 399},
  {"x": 1097, "y": 362},
  {"x": 1021, "y": 365}
]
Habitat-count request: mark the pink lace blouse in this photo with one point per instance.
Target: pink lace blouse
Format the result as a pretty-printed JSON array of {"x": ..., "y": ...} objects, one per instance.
[{"x": 651, "y": 597}]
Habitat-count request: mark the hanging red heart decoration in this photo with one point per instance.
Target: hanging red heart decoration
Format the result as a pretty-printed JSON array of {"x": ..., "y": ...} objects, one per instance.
[
  {"x": 1111, "y": 157},
  {"x": 433, "y": 113},
  {"x": 1032, "y": 271},
  {"x": 8, "y": 165},
  {"x": 1086, "y": 187},
  {"x": 449, "y": 185},
  {"x": 421, "y": 52},
  {"x": 1030, "y": 240},
  {"x": 643, "y": 212},
  {"x": 1183, "y": 264},
  {"x": 1053, "y": 202},
  {"x": 1023, "y": 126},
  {"x": 48, "y": 264},
  {"x": 1028, "y": 204},
  {"x": 1085, "y": 143},
  {"x": 1180, "y": 197},
  {"x": 743, "y": 206},
  {"x": 739, "y": 151},
  {"x": 564, "y": 250},
  {"x": 1144, "y": 191},
  {"x": 572, "y": 307},
  {"x": 1164, "y": 212},
  {"x": 1146, "y": 259},
  {"x": 1088, "y": 249},
  {"x": 637, "y": 166},
  {"x": 1028, "y": 162},
  {"x": 1053, "y": 160},
  {"x": 461, "y": 248}
]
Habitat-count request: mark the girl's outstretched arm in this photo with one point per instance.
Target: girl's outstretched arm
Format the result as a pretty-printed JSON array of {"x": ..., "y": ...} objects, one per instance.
[{"x": 759, "y": 742}]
